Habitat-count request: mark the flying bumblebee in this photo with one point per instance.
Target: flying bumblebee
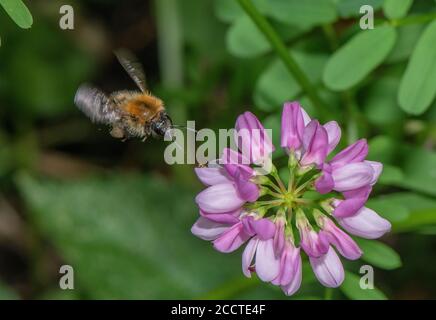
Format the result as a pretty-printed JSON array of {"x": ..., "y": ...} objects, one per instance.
[{"x": 129, "y": 113}]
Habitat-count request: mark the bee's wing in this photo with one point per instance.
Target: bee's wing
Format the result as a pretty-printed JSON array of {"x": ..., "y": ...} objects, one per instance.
[
  {"x": 96, "y": 105},
  {"x": 133, "y": 67}
]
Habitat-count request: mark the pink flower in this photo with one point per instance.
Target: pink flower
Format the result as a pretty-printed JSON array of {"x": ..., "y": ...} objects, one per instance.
[
  {"x": 338, "y": 238},
  {"x": 328, "y": 269},
  {"x": 290, "y": 271},
  {"x": 315, "y": 144},
  {"x": 244, "y": 205},
  {"x": 252, "y": 139},
  {"x": 366, "y": 223}
]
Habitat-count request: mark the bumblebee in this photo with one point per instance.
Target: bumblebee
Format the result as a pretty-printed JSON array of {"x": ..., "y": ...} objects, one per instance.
[{"x": 131, "y": 114}]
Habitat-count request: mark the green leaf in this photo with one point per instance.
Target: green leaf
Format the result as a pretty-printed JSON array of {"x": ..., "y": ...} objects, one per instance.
[
  {"x": 419, "y": 170},
  {"x": 18, "y": 11},
  {"x": 245, "y": 40},
  {"x": 227, "y": 10},
  {"x": 351, "y": 288},
  {"x": 391, "y": 211},
  {"x": 417, "y": 88},
  {"x": 358, "y": 57},
  {"x": 381, "y": 104},
  {"x": 276, "y": 85},
  {"x": 230, "y": 10},
  {"x": 302, "y": 13},
  {"x": 395, "y": 9},
  {"x": 379, "y": 254},
  {"x": 127, "y": 237},
  {"x": 408, "y": 35},
  {"x": 391, "y": 175},
  {"x": 350, "y": 8}
]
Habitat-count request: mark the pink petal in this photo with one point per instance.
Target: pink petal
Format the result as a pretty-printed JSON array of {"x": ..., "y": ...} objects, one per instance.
[
  {"x": 279, "y": 237},
  {"x": 231, "y": 217},
  {"x": 231, "y": 239},
  {"x": 354, "y": 201},
  {"x": 377, "y": 167},
  {"x": 219, "y": 198},
  {"x": 292, "y": 126},
  {"x": 211, "y": 176},
  {"x": 352, "y": 176},
  {"x": 289, "y": 261},
  {"x": 247, "y": 190},
  {"x": 366, "y": 223},
  {"x": 208, "y": 230},
  {"x": 263, "y": 228},
  {"x": 295, "y": 283},
  {"x": 267, "y": 265},
  {"x": 325, "y": 183},
  {"x": 248, "y": 255},
  {"x": 333, "y": 133},
  {"x": 315, "y": 144},
  {"x": 342, "y": 241},
  {"x": 353, "y": 153},
  {"x": 252, "y": 139},
  {"x": 328, "y": 269},
  {"x": 313, "y": 243}
]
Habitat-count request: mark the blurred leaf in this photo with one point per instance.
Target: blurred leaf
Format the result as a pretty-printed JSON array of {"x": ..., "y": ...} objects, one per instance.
[
  {"x": 417, "y": 88},
  {"x": 276, "y": 85},
  {"x": 391, "y": 175},
  {"x": 421, "y": 210},
  {"x": 350, "y": 8},
  {"x": 230, "y": 10},
  {"x": 358, "y": 57},
  {"x": 408, "y": 35},
  {"x": 127, "y": 237},
  {"x": 383, "y": 149},
  {"x": 381, "y": 106},
  {"x": 418, "y": 220},
  {"x": 18, "y": 11},
  {"x": 245, "y": 40},
  {"x": 419, "y": 170},
  {"x": 395, "y": 9},
  {"x": 227, "y": 10},
  {"x": 379, "y": 254},
  {"x": 351, "y": 288},
  {"x": 391, "y": 211},
  {"x": 302, "y": 13}
]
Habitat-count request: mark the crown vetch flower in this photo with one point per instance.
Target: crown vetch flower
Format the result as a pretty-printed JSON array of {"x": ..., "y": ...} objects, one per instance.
[{"x": 311, "y": 213}]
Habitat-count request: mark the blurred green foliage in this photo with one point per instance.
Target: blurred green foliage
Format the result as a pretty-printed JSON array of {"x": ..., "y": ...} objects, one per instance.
[{"x": 121, "y": 217}]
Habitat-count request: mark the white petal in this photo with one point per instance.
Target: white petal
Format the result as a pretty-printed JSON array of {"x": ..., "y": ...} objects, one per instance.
[
  {"x": 267, "y": 264},
  {"x": 352, "y": 176},
  {"x": 207, "y": 229},
  {"x": 366, "y": 223},
  {"x": 328, "y": 269},
  {"x": 248, "y": 255}
]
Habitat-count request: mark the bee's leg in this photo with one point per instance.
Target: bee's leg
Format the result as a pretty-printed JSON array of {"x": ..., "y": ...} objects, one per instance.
[{"x": 118, "y": 132}]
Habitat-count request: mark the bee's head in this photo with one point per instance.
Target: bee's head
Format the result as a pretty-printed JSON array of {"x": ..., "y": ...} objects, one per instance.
[{"x": 161, "y": 125}]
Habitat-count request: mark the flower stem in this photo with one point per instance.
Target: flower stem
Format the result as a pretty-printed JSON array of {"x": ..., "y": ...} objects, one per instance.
[
  {"x": 328, "y": 294},
  {"x": 282, "y": 51}
]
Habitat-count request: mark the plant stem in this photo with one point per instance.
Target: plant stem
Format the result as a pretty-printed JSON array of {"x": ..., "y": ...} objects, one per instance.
[
  {"x": 284, "y": 54},
  {"x": 328, "y": 294},
  {"x": 421, "y": 18}
]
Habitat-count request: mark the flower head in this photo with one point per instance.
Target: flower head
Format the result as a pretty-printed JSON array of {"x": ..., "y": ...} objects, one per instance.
[{"x": 311, "y": 213}]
